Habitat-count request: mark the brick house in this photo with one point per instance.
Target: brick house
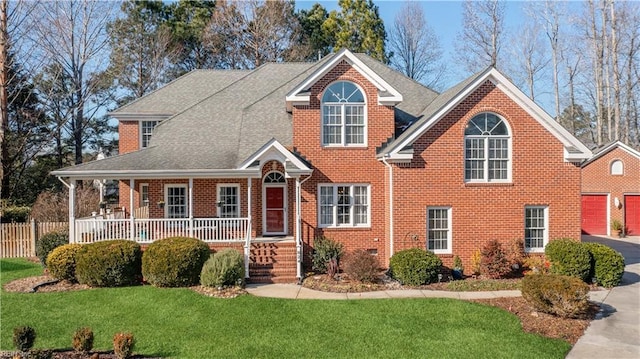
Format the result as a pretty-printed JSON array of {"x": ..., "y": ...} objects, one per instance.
[
  {"x": 345, "y": 148},
  {"x": 611, "y": 190}
]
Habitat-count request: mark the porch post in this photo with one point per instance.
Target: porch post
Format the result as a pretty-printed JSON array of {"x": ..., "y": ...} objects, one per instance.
[
  {"x": 132, "y": 232},
  {"x": 191, "y": 207},
  {"x": 298, "y": 231},
  {"x": 72, "y": 212},
  {"x": 247, "y": 243}
]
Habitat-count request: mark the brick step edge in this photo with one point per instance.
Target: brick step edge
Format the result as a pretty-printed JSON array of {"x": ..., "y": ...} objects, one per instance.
[{"x": 269, "y": 280}]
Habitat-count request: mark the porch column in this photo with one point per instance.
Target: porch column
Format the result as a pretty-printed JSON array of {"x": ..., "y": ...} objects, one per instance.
[
  {"x": 298, "y": 230},
  {"x": 72, "y": 212},
  {"x": 191, "y": 207},
  {"x": 132, "y": 232},
  {"x": 247, "y": 243}
]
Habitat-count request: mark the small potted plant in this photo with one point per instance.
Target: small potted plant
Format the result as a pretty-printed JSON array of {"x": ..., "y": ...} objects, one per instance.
[
  {"x": 616, "y": 225},
  {"x": 160, "y": 204},
  {"x": 458, "y": 270}
]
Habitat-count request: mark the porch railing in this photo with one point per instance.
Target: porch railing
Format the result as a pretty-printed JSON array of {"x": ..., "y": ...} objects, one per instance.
[{"x": 144, "y": 230}]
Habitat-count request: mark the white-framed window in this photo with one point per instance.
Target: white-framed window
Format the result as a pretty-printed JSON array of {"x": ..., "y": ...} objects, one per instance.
[
  {"x": 487, "y": 148},
  {"x": 144, "y": 194},
  {"x": 439, "y": 230},
  {"x": 146, "y": 130},
  {"x": 617, "y": 168},
  {"x": 344, "y": 119},
  {"x": 536, "y": 228},
  {"x": 175, "y": 196},
  {"x": 344, "y": 205},
  {"x": 228, "y": 200}
]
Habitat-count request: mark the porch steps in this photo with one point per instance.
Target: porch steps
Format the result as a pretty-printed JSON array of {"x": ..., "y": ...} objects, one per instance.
[{"x": 272, "y": 262}]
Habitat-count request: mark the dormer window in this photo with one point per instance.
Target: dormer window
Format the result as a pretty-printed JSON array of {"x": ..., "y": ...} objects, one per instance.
[
  {"x": 344, "y": 121},
  {"x": 146, "y": 130},
  {"x": 487, "y": 145}
]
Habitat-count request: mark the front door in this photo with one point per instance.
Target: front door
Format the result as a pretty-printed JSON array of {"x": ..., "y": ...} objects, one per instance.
[{"x": 275, "y": 219}]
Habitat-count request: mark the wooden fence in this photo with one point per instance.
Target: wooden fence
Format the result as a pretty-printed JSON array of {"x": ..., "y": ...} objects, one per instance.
[{"x": 19, "y": 239}]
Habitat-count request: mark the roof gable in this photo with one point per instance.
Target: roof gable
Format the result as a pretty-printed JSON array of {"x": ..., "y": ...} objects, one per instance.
[
  {"x": 574, "y": 150},
  {"x": 274, "y": 150},
  {"x": 387, "y": 94},
  {"x": 610, "y": 147}
]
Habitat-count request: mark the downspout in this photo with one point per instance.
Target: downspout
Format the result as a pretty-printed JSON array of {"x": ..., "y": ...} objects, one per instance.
[
  {"x": 72, "y": 217},
  {"x": 384, "y": 160},
  {"x": 299, "y": 247}
]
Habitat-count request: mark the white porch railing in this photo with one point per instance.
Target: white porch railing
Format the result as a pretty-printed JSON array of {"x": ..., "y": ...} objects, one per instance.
[{"x": 98, "y": 228}]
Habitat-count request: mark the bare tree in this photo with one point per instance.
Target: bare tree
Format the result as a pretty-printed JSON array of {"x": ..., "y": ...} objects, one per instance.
[
  {"x": 416, "y": 50},
  {"x": 480, "y": 42},
  {"x": 71, "y": 36},
  {"x": 4, "y": 117}
]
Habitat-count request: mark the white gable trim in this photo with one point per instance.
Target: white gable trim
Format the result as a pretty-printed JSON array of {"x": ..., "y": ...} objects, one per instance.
[
  {"x": 609, "y": 148},
  {"x": 533, "y": 109},
  {"x": 300, "y": 94},
  {"x": 274, "y": 150}
]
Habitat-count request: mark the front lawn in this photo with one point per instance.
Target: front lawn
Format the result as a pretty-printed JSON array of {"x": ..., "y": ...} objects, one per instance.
[{"x": 183, "y": 324}]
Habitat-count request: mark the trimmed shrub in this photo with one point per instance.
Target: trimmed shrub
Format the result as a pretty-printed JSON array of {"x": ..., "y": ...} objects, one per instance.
[
  {"x": 223, "y": 268},
  {"x": 15, "y": 214},
  {"x": 83, "y": 340},
  {"x": 569, "y": 257},
  {"x": 174, "y": 262},
  {"x": 607, "y": 265},
  {"x": 494, "y": 262},
  {"x": 324, "y": 250},
  {"x": 361, "y": 266},
  {"x": 49, "y": 242},
  {"x": 23, "y": 338},
  {"x": 61, "y": 262},
  {"x": 123, "y": 344},
  {"x": 415, "y": 266},
  {"x": 109, "y": 264},
  {"x": 560, "y": 295}
]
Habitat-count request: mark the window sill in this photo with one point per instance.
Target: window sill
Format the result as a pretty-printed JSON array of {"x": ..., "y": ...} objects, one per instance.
[
  {"x": 534, "y": 250},
  {"x": 488, "y": 184},
  {"x": 341, "y": 147},
  {"x": 345, "y": 227}
]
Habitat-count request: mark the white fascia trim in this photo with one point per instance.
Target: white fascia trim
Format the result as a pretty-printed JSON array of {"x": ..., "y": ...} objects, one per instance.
[
  {"x": 140, "y": 116},
  {"x": 608, "y": 149},
  {"x": 344, "y": 54},
  {"x": 273, "y": 144},
  {"x": 167, "y": 174}
]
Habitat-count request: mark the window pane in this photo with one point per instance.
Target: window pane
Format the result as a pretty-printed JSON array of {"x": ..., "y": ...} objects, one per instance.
[
  {"x": 534, "y": 231},
  {"x": 228, "y": 202},
  {"x": 332, "y": 124},
  {"x": 144, "y": 194},
  {"x": 326, "y": 205},
  {"x": 438, "y": 229},
  {"x": 474, "y": 160},
  {"x": 176, "y": 202},
  {"x": 146, "y": 132},
  {"x": 360, "y": 198},
  {"x": 343, "y": 91},
  {"x": 344, "y": 205}
]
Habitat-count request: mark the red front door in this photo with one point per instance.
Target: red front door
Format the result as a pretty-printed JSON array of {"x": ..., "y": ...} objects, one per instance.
[
  {"x": 632, "y": 215},
  {"x": 274, "y": 210},
  {"x": 594, "y": 214}
]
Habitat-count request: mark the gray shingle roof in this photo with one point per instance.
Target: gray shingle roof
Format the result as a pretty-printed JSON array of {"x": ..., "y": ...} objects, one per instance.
[{"x": 220, "y": 121}]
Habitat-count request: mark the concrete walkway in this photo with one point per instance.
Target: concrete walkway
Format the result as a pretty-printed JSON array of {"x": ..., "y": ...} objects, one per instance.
[{"x": 616, "y": 331}]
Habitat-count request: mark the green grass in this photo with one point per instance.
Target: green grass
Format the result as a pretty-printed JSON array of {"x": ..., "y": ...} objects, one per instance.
[{"x": 183, "y": 324}]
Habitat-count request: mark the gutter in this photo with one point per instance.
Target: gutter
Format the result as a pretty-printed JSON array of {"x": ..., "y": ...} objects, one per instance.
[{"x": 384, "y": 160}]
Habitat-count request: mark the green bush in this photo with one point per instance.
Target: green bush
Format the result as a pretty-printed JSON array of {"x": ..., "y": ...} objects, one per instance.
[
  {"x": 223, "y": 268},
  {"x": 324, "y": 250},
  {"x": 494, "y": 262},
  {"x": 569, "y": 257},
  {"x": 109, "y": 264},
  {"x": 415, "y": 266},
  {"x": 560, "y": 295},
  {"x": 123, "y": 344},
  {"x": 15, "y": 214},
  {"x": 174, "y": 262},
  {"x": 23, "y": 338},
  {"x": 83, "y": 340},
  {"x": 607, "y": 265},
  {"x": 49, "y": 242},
  {"x": 61, "y": 262},
  {"x": 361, "y": 266}
]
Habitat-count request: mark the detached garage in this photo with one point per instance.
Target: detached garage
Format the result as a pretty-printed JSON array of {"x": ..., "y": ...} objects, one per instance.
[
  {"x": 611, "y": 189},
  {"x": 594, "y": 214},
  {"x": 632, "y": 214}
]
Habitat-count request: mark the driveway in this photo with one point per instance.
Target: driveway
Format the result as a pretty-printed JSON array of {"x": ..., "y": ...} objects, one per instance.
[{"x": 615, "y": 333}]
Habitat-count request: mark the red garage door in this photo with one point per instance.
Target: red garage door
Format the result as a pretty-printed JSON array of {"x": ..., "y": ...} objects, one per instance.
[
  {"x": 594, "y": 214},
  {"x": 632, "y": 215}
]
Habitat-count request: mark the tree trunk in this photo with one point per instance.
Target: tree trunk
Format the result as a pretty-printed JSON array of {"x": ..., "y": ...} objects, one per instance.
[{"x": 4, "y": 102}]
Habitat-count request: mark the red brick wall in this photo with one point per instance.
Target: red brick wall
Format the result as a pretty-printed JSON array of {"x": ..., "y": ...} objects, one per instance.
[
  {"x": 482, "y": 212},
  {"x": 128, "y": 136},
  {"x": 345, "y": 165},
  {"x": 597, "y": 178}
]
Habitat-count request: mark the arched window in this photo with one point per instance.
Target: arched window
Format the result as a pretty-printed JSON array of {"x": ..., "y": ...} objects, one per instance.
[
  {"x": 487, "y": 145},
  {"x": 344, "y": 121},
  {"x": 617, "y": 167},
  {"x": 274, "y": 177}
]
